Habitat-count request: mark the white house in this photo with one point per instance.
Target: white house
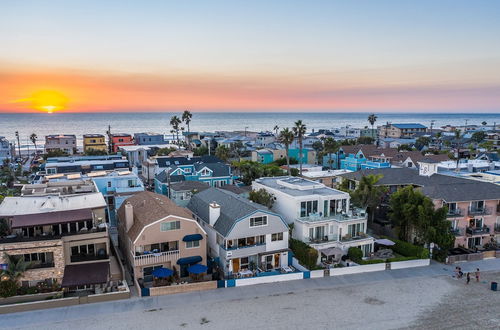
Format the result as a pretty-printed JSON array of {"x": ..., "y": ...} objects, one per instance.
[
  {"x": 244, "y": 236},
  {"x": 322, "y": 216}
]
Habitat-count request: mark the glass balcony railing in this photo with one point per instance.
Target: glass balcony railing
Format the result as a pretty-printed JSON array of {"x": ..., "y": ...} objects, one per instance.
[
  {"x": 353, "y": 214},
  {"x": 479, "y": 211},
  {"x": 477, "y": 230}
]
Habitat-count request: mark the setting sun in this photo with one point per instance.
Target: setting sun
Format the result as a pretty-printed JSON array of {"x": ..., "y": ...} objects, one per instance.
[{"x": 46, "y": 100}]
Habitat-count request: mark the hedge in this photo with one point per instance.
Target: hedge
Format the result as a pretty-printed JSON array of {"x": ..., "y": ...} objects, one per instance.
[
  {"x": 306, "y": 255},
  {"x": 370, "y": 262},
  {"x": 409, "y": 250},
  {"x": 396, "y": 259}
]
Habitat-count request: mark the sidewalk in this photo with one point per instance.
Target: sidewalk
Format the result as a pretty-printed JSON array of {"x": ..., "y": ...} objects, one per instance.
[{"x": 187, "y": 300}]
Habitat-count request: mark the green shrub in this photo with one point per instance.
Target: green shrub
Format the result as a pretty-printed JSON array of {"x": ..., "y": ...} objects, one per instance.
[
  {"x": 8, "y": 288},
  {"x": 355, "y": 254},
  {"x": 370, "y": 262},
  {"x": 409, "y": 250},
  {"x": 396, "y": 259},
  {"x": 306, "y": 255}
]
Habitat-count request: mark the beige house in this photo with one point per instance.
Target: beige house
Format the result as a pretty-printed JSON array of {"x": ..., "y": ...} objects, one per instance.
[
  {"x": 68, "y": 246},
  {"x": 154, "y": 232}
]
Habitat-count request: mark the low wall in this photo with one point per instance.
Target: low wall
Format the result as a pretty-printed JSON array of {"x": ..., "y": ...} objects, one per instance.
[
  {"x": 182, "y": 288},
  {"x": 357, "y": 269},
  {"x": 101, "y": 297},
  {"x": 465, "y": 257},
  {"x": 29, "y": 298},
  {"x": 269, "y": 279},
  {"x": 410, "y": 263},
  {"x": 317, "y": 273},
  {"x": 298, "y": 266},
  {"x": 489, "y": 254},
  {"x": 30, "y": 306}
]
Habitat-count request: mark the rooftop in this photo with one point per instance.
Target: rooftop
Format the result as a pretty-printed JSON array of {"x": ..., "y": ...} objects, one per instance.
[
  {"x": 409, "y": 126},
  {"x": 324, "y": 174},
  {"x": 297, "y": 187}
]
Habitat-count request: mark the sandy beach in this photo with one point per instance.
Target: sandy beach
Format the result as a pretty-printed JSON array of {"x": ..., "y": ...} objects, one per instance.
[{"x": 414, "y": 303}]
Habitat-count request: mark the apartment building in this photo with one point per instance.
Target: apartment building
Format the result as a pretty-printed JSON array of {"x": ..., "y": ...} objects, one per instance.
[{"x": 61, "y": 142}]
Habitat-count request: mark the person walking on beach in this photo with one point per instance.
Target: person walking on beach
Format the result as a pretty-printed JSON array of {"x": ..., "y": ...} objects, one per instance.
[
  {"x": 460, "y": 273},
  {"x": 468, "y": 278},
  {"x": 477, "y": 274}
]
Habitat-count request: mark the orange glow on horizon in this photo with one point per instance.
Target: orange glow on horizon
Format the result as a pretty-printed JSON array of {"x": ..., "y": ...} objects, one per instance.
[{"x": 45, "y": 100}]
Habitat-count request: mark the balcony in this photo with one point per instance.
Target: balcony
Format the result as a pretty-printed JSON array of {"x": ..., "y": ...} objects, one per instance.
[
  {"x": 243, "y": 251},
  {"x": 359, "y": 236},
  {"x": 41, "y": 265},
  {"x": 47, "y": 236},
  {"x": 88, "y": 257},
  {"x": 497, "y": 228},
  {"x": 479, "y": 211},
  {"x": 456, "y": 213},
  {"x": 325, "y": 239},
  {"x": 353, "y": 214},
  {"x": 155, "y": 258},
  {"x": 457, "y": 231},
  {"x": 477, "y": 230}
]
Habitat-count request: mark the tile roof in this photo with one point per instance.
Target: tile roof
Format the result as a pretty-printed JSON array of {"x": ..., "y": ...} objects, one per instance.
[
  {"x": 437, "y": 186},
  {"x": 232, "y": 207},
  {"x": 150, "y": 207}
]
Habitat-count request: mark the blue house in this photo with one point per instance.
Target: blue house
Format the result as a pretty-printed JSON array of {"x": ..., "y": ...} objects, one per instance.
[
  {"x": 212, "y": 171},
  {"x": 355, "y": 158},
  {"x": 149, "y": 138}
]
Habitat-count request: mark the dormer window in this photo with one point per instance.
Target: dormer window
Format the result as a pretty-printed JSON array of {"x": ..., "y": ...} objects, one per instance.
[{"x": 205, "y": 172}]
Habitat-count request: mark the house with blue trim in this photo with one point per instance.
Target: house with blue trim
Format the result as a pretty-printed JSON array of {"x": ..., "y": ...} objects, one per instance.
[
  {"x": 149, "y": 138},
  {"x": 207, "y": 169},
  {"x": 354, "y": 158},
  {"x": 246, "y": 238}
]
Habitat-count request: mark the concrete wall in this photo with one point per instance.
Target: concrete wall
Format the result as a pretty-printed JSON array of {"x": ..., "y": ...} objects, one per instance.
[
  {"x": 183, "y": 288},
  {"x": 29, "y": 298},
  {"x": 269, "y": 279},
  {"x": 410, "y": 263},
  {"x": 357, "y": 269}
]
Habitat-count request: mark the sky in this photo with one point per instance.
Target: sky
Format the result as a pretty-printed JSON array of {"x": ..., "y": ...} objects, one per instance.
[{"x": 78, "y": 56}]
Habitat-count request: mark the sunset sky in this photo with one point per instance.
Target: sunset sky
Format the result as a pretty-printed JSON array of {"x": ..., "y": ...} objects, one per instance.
[{"x": 250, "y": 55}]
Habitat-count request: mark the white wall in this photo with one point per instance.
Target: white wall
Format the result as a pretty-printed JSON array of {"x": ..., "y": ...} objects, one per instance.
[
  {"x": 410, "y": 263},
  {"x": 269, "y": 279}
]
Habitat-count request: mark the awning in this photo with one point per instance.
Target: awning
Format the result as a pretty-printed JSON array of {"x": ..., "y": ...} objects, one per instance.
[
  {"x": 384, "y": 241},
  {"x": 197, "y": 269},
  {"x": 333, "y": 251},
  {"x": 194, "y": 237},
  {"x": 162, "y": 272},
  {"x": 51, "y": 218},
  {"x": 85, "y": 274},
  {"x": 189, "y": 260}
]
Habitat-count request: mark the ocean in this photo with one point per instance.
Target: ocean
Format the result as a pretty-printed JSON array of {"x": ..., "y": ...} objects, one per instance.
[{"x": 82, "y": 123}]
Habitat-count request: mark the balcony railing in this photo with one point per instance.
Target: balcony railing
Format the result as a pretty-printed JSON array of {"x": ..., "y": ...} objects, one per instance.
[
  {"x": 154, "y": 258},
  {"x": 324, "y": 239},
  {"x": 87, "y": 257},
  {"x": 454, "y": 213},
  {"x": 348, "y": 238},
  {"x": 477, "y": 230},
  {"x": 479, "y": 211},
  {"x": 353, "y": 214},
  {"x": 47, "y": 236},
  {"x": 232, "y": 248},
  {"x": 497, "y": 228},
  {"x": 457, "y": 231},
  {"x": 41, "y": 265}
]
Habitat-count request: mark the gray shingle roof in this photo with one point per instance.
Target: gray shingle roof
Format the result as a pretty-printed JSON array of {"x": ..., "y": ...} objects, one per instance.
[
  {"x": 437, "y": 186},
  {"x": 189, "y": 185},
  {"x": 232, "y": 207}
]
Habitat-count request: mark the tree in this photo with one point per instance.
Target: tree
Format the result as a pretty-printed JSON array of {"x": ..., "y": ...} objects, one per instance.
[
  {"x": 300, "y": 130},
  {"x": 318, "y": 147},
  {"x": 282, "y": 161},
  {"x": 422, "y": 142},
  {"x": 165, "y": 151},
  {"x": 488, "y": 145},
  {"x": 286, "y": 137},
  {"x": 418, "y": 221},
  {"x": 406, "y": 147},
  {"x": 478, "y": 137},
  {"x": 276, "y": 129},
  {"x": 186, "y": 117},
  {"x": 55, "y": 153},
  {"x": 95, "y": 152},
  {"x": 368, "y": 195},
  {"x": 16, "y": 266},
  {"x": 262, "y": 197},
  {"x": 365, "y": 140},
  {"x": 33, "y": 139},
  {"x": 331, "y": 147},
  {"x": 372, "y": 119},
  {"x": 237, "y": 150},
  {"x": 222, "y": 152},
  {"x": 200, "y": 151},
  {"x": 175, "y": 122},
  {"x": 250, "y": 171}
]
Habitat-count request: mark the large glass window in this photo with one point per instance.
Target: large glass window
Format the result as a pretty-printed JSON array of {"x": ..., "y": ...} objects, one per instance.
[
  {"x": 277, "y": 237},
  {"x": 172, "y": 225},
  {"x": 192, "y": 244},
  {"x": 307, "y": 208}
]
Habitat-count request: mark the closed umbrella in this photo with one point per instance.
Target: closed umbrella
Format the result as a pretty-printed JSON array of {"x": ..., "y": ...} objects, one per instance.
[{"x": 162, "y": 272}]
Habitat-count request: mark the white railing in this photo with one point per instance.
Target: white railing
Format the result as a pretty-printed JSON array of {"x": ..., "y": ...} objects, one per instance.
[{"x": 155, "y": 258}]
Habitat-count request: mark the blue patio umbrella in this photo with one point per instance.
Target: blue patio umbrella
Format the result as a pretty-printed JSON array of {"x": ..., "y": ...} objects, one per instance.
[
  {"x": 162, "y": 272},
  {"x": 197, "y": 269}
]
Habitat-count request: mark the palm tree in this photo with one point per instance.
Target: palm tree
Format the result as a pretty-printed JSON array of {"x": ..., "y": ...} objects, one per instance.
[
  {"x": 372, "y": 119},
  {"x": 222, "y": 153},
  {"x": 286, "y": 137},
  {"x": 33, "y": 139},
  {"x": 331, "y": 147},
  {"x": 175, "y": 123},
  {"x": 368, "y": 194},
  {"x": 299, "y": 130},
  {"x": 16, "y": 267},
  {"x": 276, "y": 128},
  {"x": 186, "y": 117}
]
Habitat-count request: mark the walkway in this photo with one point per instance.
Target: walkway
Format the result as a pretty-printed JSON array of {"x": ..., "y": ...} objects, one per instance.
[{"x": 187, "y": 300}]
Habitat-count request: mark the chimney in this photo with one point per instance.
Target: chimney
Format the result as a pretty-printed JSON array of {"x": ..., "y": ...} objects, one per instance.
[
  {"x": 129, "y": 216},
  {"x": 214, "y": 212}
]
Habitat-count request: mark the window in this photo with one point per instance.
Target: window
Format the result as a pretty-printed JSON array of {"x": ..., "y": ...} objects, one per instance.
[
  {"x": 277, "y": 237},
  {"x": 258, "y": 221},
  {"x": 192, "y": 244},
  {"x": 173, "y": 225},
  {"x": 307, "y": 208},
  {"x": 109, "y": 184},
  {"x": 131, "y": 183}
]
